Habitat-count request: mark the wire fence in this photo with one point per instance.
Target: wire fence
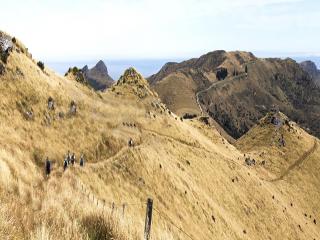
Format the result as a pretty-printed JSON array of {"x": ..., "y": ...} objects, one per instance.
[
  {"x": 172, "y": 223},
  {"x": 114, "y": 206}
]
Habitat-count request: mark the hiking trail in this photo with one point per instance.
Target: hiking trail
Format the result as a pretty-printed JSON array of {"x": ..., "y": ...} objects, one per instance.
[
  {"x": 222, "y": 82},
  {"x": 298, "y": 162}
]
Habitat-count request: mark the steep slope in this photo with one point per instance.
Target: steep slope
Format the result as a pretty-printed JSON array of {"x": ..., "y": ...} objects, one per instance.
[
  {"x": 311, "y": 68},
  {"x": 291, "y": 167},
  {"x": 236, "y": 89},
  {"x": 199, "y": 185},
  {"x": 98, "y": 76}
]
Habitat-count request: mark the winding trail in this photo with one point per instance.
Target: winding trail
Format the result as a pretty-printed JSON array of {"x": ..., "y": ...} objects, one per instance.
[
  {"x": 222, "y": 82},
  {"x": 298, "y": 162}
]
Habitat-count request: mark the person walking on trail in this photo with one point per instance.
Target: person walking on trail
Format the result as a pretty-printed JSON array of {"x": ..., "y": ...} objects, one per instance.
[
  {"x": 131, "y": 143},
  {"x": 48, "y": 167},
  {"x": 68, "y": 158},
  {"x": 73, "y": 159},
  {"x": 81, "y": 160},
  {"x": 65, "y": 164}
]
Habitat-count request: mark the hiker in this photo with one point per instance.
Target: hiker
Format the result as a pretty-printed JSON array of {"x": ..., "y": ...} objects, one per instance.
[
  {"x": 68, "y": 157},
  {"x": 73, "y": 107},
  {"x": 250, "y": 162},
  {"x": 81, "y": 160},
  {"x": 50, "y": 103},
  {"x": 73, "y": 159},
  {"x": 48, "y": 167},
  {"x": 65, "y": 164},
  {"x": 131, "y": 143},
  {"x": 282, "y": 142}
]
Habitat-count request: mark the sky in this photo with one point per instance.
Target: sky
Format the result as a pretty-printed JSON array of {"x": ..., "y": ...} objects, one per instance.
[{"x": 67, "y": 30}]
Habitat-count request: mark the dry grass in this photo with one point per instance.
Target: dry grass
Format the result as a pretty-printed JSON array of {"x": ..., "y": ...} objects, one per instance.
[{"x": 186, "y": 167}]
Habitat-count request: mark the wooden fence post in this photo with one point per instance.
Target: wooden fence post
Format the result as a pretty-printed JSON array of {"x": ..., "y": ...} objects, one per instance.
[
  {"x": 147, "y": 227},
  {"x": 112, "y": 208},
  {"x": 123, "y": 207}
]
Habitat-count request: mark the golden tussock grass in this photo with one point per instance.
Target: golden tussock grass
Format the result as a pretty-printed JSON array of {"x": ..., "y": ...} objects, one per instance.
[{"x": 198, "y": 181}]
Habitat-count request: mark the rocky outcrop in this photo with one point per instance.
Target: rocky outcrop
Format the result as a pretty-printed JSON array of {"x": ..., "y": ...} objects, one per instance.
[
  {"x": 132, "y": 77},
  {"x": 132, "y": 81},
  {"x": 98, "y": 76},
  {"x": 6, "y": 46},
  {"x": 2, "y": 69},
  {"x": 77, "y": 75},
  {"x": 311, "y": 68}
]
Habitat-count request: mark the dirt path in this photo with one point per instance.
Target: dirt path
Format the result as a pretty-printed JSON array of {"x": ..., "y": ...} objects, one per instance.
[
  {"x": 298, "y": 162},
  {"x": 189, "y": 144},
  {"x": 218, "y": 83}
]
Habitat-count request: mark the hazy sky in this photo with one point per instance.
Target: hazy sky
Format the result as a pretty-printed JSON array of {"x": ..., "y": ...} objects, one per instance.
[{"x": 73, "y": 30}]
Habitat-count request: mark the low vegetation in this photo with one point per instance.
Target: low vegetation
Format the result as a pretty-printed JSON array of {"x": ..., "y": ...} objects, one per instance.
[
  {"x": 200, "y": 185},
  {"x": 40, "y": 65}
]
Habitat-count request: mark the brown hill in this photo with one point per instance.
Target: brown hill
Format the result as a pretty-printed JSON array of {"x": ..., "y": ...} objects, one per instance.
[
  {"x": 236, "y": 89},
  {"x": 200, "y": 185}
]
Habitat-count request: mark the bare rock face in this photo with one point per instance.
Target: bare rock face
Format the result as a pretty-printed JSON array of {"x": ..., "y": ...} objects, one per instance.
[
  {"x": 98, "y": 76},
  {"x": 311, "y": 68},
  {"x": 2, "y": 69},
  {"x": 5, "y": 42},
  {"x": 5, "y": 47}
]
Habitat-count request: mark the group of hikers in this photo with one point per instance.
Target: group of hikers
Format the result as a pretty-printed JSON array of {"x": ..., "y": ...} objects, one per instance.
[{"x": 70, "y": 159}]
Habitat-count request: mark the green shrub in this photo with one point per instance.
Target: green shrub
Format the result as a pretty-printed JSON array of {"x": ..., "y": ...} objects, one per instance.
[{"x": 75, "y": 70}]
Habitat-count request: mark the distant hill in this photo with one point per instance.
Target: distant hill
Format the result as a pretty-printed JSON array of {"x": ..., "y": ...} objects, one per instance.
[
  {"x": 216, "y": 84},
  {"x": 98, "y": 76},
  {"x": 311, "y": 68}
]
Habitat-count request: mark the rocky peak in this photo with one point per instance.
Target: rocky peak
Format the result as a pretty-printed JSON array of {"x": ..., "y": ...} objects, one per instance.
[
  {"x": 98, "y": 76},
  {"x": 310, "y": 67},
  {"x": 85, "y": 69},
  {"x": 101, "y": 68},
  {"x": 135, "y": 83},
  {"x": 132, "y": 77}
]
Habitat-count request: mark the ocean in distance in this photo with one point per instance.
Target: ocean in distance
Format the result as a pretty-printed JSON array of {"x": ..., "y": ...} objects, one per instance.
[{"x": 146, "y": 67}]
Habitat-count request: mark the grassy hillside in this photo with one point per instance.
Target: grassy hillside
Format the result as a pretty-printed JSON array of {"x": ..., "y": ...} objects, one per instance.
[
  {"x": 199, "y": 183},
  {"x": 178, "y": 83},
  {"x": 236, "y": 89}
]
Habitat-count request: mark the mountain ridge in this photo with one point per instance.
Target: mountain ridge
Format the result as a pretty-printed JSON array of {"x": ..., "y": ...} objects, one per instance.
[{"x": 239, "y": 81}]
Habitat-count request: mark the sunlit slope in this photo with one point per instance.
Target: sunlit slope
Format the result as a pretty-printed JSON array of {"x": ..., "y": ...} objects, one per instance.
[
  {"x": 199, "y": 183},
  {"x": 280, "y": 145},
  {"x": 292, "y": 169}
]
